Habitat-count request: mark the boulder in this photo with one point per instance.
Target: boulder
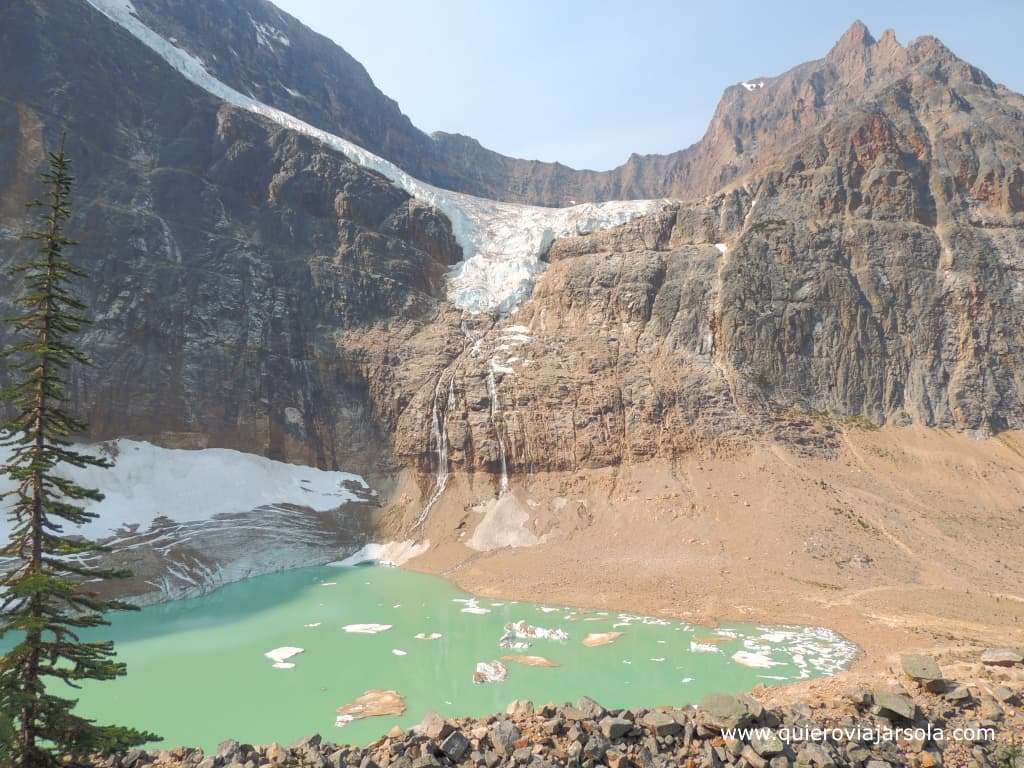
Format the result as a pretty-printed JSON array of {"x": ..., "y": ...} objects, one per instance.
[
  {"x": 722, "y": 711},
  {"x": 590, "y": 708},
  {"x": 519, "y": 707},
  {"x": 766, "y": 743},
  {"x": 455, "y": 746},
  {"x": 433, "y": 726},
  {"x": 615, "y": 727},
  {"x": 897, "y": 704},
  {"x": 922, "y": 669},
  {"x": 660, "y": 724},
  {"x": 1002, "y": 657},
  {"x": 504, "y": 734}
]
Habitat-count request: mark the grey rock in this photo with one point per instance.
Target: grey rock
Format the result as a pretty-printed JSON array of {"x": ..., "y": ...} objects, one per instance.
[
  {"x": 615, "y": 727},
  {"x": 590, "y": 708},
  {"x": 519, "y": 707},
  {"x": 455, "y": 746},
  {"x": 897, "y": 704},
  {"x": 722, "y": 711},
  {"x": 433, "y": 726},
  {"x": 1002, "y": 657},
  {"x": 922, "y": 669},
  {"x": 766, "y": 743},
  {"x": 660, "y": 723},
  {"x": 504, "y": 734}
]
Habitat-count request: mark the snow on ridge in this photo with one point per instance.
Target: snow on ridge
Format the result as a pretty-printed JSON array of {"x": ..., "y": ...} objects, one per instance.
[
  {"x": 502, "y": 243},
  {"x": 147, "y": 482}
]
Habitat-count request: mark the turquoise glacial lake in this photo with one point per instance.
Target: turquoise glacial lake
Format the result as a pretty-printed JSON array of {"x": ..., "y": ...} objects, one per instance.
[{"x": 198, "y": 672}]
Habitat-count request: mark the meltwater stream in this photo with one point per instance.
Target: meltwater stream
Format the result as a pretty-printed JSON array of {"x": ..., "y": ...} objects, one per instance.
[{"x": 198, "y": 673}]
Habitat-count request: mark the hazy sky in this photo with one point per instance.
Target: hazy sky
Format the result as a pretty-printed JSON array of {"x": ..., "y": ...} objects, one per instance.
[{"x": 587, "y": 82}]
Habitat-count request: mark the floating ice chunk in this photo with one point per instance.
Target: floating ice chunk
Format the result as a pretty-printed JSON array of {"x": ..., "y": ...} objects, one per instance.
[
  {"x": 686, "y": 680},
  {"x": 430, "y": 636},
  {"x": 594, "y": 639},
  {"x": 490, "y": 672},
  {"x": 399, "y": 652},
  {"x": 696, "y": 647},
  {"x": 366, "y": 629},
  {"x": 371, "y": 704},
  {"x": 757, "y": 660},
  {"x": 530, "y": 661},
  {"x": 660, "y": 658},
  {"x": 281, "y": 655},
  {"x": 523, "y": 631},
  {"x": 328, "y": 583},
  {"x": 314, "y": 625}
]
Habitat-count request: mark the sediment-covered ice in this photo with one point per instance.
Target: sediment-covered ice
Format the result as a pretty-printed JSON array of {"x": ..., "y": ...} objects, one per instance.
[
  {"x": 502, "y": 243},
  {"x": 391, "y": 553},
  {"x": 490, "y": 672}
]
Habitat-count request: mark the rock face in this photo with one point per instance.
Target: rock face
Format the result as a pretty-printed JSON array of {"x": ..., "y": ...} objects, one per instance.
[{"x": 847, "y": 248}]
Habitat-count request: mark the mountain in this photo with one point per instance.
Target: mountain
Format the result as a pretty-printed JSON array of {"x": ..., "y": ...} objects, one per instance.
[{"x": 281, "y": 263}]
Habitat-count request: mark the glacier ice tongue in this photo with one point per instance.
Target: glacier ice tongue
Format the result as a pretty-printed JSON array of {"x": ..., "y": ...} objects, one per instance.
[{"x": 502, "y": 243}]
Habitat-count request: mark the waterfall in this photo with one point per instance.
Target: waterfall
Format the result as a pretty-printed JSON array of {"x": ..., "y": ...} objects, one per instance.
[
  {"x": 439, "y": 441},
  {"x": 492, "y": 389}
]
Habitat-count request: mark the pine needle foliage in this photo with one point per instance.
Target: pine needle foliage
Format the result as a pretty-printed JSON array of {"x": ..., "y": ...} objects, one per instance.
[{"x": 47, "y": 599}]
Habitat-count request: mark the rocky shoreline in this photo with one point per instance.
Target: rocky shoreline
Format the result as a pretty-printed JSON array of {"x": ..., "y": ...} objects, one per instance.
[{"x": 922, "y": 717}]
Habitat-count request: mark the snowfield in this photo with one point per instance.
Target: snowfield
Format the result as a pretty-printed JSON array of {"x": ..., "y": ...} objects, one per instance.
[{"x": 502, "y": 243}]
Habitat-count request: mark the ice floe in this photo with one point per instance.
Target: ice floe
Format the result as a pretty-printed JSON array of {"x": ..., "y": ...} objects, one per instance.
[
  {"x": 524, "y": 631},
  {"x": 530, "y": 661},
  {"x": 750, "y": 659},
  {"x": 595, "y": 639},
  {"x": 399, "y": 652},
  {"x": 281, "y": 655},
  {"x": 696, "y": 647},
  {"x": 490, "y": 672},
  {"x": 366, "y": 629},
  {"x": 373, "y": 703},
  {"x": 428, "y": 636}
]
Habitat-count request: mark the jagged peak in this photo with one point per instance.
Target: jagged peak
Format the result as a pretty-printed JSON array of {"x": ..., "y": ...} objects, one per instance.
[{"x": 857, "y": 37}]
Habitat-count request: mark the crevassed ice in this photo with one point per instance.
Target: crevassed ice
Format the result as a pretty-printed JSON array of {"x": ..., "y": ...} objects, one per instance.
[{"x": 502, "y": 243}]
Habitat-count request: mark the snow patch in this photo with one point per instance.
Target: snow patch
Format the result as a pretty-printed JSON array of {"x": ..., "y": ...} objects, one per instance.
[{"x": 753, "y": 86}]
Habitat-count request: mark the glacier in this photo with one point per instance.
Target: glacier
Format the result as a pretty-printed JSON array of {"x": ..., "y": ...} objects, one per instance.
[
  {"x": 503, "y": 244},
  {"x": 148, "y": 482}
]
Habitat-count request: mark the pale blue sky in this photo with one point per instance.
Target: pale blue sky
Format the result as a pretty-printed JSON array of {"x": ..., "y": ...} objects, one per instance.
[{"x": 587, "y": 82}]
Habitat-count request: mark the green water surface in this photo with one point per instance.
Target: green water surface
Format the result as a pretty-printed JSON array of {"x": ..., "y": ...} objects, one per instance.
[{"x": 197, "y": 673}]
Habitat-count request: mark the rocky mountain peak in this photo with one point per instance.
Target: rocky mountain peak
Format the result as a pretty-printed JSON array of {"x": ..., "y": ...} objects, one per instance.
[{"x": 856, "y": 38}]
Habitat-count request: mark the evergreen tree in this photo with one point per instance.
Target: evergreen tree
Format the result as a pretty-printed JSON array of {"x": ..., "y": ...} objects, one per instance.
[{"x": 45, "y": 602}]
